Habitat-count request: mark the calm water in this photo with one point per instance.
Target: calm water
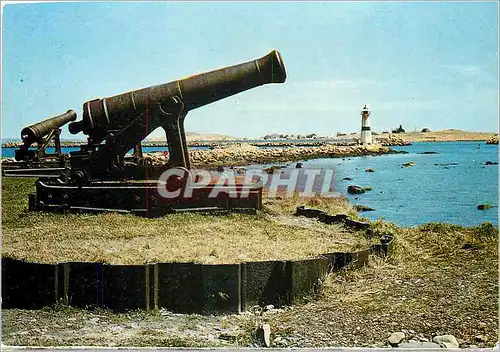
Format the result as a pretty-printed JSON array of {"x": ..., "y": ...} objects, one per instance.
[{"x": 425, "y": 192}]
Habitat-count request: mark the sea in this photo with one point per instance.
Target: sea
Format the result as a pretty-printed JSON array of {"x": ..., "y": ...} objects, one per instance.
[{"x": 443, "y": 187}]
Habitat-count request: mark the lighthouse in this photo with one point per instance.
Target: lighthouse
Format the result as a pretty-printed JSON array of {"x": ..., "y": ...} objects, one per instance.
[{"x": 366, "y": 131}]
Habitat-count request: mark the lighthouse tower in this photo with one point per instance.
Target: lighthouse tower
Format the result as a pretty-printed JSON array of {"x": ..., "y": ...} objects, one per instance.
[{"x": 366, "y": 131}]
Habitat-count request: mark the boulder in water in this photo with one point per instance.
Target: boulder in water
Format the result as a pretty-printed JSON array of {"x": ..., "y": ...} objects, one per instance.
[
  {"x": 370, "y": 170},
  {"x": 408, "y": 164},
  {"x": 447, "y": 164},
  {"x": 273, "y": 168},
  {"x": 361, "y": 208},
  {"x": 491, "y": 163},
  {"x": 353, "y": 189}
]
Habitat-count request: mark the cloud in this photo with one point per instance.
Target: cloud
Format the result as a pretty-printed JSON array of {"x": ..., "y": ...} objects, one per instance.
[
  {"x": 410, "y": 106},
  {"x": 336, "y": 84},
  {"x": 464, "y": 70}
]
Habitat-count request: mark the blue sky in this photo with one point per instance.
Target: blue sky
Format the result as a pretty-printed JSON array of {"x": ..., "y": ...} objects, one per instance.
[{"x": 417, "y": 64}]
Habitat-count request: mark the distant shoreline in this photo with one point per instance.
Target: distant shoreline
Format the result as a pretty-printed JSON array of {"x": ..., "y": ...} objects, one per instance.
[
  {"x": 208, "y": 140},
  {"x": 450, "y": 135}
]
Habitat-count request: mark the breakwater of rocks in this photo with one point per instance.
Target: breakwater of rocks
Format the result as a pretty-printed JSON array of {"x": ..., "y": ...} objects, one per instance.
[
  {"x": 392, "y": 142},
  {"x": 245, "y": 154},
  {"x": 233, "y": 153},
  {"x": 210, "y": 144},
  {"x": 492, "y": 140},
  {"x": 66, "y": 144}
]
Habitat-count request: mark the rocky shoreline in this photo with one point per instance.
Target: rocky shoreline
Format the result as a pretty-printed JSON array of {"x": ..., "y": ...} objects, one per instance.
[
  {"x": 492, "y": 140},
  {"x": 393, "y": 142},
  {"x": 245, "y": 154},
  {"x": 223, "y": 143}
]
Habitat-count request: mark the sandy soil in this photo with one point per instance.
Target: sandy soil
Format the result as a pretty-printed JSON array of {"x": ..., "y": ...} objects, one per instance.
[{"x": 442, "y": 136}]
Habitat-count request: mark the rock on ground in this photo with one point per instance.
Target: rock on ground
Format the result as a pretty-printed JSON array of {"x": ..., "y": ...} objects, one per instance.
[
  {"x": 448, "y": 341},
  {"x": 396, "y": 338},
  {"x": 264, "y": 335},
  {"x": 417, "y": 344}
]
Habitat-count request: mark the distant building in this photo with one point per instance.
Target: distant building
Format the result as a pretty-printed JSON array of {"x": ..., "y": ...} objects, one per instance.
[
  {"x": 400, "y": 129},
  {"x": 272, "y": 136},
  {"x": 366, "y": 131}
]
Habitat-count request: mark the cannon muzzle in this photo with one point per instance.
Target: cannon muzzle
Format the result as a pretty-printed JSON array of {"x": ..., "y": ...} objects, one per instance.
[
  {"x": 33, "y": 133},
  {"x": 171, "y": 99}
]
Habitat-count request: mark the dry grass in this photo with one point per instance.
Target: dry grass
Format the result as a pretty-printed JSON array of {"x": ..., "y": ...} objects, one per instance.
[
  {"x": 441, "y": 279},
  {"x": 127, "y": 239},
  {"x": 284, "y": 205}
]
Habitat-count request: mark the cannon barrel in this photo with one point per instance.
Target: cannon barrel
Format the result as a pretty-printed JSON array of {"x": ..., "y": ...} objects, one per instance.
[
  {"x": 32, "y": 133},
  {"x": 182, "y": 95}
]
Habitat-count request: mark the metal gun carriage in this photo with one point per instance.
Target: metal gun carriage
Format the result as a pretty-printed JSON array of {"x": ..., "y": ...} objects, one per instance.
[{"x": 38, "y": 161}]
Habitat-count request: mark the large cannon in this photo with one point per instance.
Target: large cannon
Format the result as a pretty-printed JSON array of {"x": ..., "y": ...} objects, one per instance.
[{"x": 118, "y": 124}]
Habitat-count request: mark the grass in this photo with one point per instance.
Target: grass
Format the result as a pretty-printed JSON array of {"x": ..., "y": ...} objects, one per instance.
[
  {"x": 127, "y": 239},
  {"x": 440, "y": 279}
]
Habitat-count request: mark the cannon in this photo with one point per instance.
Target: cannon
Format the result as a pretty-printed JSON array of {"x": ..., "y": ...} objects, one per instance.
[
  {"x": 43, "y": 133},
  {"x": 117, "y": 124},
  {"x": 37, "y": 162},
  {"x": 102, "y": 178}
]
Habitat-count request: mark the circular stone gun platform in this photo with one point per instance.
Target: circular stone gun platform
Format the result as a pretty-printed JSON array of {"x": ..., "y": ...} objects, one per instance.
[
  {"x": 184, "y": 287},
  {"x": 182, "y": 262}
]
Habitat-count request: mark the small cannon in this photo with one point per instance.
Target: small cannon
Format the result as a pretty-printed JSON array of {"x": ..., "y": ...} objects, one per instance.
[
  {"x": 103, "y": 178},
  {"x": 43, "y": 133},
  {"x": 32, "y": 162}
]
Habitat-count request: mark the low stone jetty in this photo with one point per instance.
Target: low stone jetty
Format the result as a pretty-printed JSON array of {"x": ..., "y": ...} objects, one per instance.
[
  {"x": 244, "y": 154},
  {"x": 213, "y": 144},
  {"x": 217, "y": 143},
  {"x": 393, "y": 142},
  {"x": 220, "y": 153},
  {"x": 66, "y": 144}
]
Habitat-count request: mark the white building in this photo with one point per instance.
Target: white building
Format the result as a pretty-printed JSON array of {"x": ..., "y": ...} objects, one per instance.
[{"x": 366, "y": 131}]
